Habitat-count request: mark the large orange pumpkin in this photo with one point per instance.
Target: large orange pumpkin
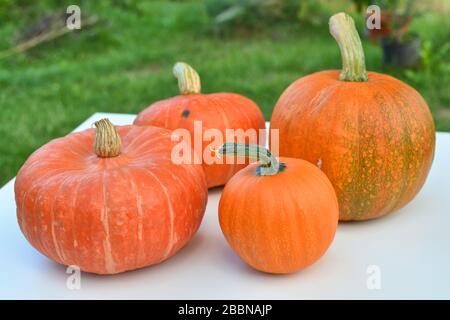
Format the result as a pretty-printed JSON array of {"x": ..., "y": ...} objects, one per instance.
[
  {"x": 372, "y": 134},
  {"x": 119, "y": 206},
  {"x": 219, "y": 111},
  {"x": 279, "y": 217}
]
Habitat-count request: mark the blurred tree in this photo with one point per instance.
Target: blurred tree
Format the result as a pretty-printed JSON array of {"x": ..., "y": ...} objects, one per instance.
[{"x": 229, "y": 15}]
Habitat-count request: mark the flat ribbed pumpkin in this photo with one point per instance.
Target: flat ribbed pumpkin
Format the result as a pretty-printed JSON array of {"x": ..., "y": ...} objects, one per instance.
[
  {"x": 279, "y": 216},
  {"x": 118, "y": 206},
  {"x": 219, "y": 111},
  {"x": 372, "y": 134}
]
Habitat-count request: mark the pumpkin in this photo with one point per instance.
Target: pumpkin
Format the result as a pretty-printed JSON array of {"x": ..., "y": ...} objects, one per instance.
[
  {"x": 118, "y": 206},
  {"x": 216, "y": 111},
  {"x": 278, "y": 216},
  {"x": 372, "y": 134}
]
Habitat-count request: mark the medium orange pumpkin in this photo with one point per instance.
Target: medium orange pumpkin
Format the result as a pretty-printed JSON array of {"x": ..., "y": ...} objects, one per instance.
[
  {"x": 119, "y": 206},
  {"x": 219, "y": 111},
  {"x": 279, "y": 217},
  {"x": 372, "y": 134}
]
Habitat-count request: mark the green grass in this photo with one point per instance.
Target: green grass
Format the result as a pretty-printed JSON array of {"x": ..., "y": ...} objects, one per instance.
[{"x": 124, "y": 64}]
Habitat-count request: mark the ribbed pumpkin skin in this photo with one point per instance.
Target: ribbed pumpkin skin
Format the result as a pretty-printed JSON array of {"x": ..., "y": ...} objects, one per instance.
[
  {"x": 216, "y": 111},
  {"x": 280, "y": 223},
  {"x": 109, "y": 215},
  {"x": 374, "y": 140}
]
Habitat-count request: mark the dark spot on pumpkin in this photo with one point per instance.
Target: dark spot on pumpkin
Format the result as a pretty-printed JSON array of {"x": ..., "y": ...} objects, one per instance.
[{"x": 185, "y": 113}]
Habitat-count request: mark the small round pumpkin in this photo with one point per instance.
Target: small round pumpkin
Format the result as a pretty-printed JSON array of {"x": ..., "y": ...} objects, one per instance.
[
  {"x": 216, "y": 111},
  {"x": 118, "y": 206},
  {"x": 279, "y": 217},
  {"x": 372, "y": 134}
]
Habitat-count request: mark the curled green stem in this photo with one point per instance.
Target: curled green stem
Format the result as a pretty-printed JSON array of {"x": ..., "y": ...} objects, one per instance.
[{"x": 270, "y": 165}]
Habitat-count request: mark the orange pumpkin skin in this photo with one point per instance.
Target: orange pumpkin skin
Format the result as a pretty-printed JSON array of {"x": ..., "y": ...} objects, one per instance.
[
  {"x": 375, "y": 140},
  {"x": 109, "y": 215},
  {"x": 215, "y": 111},
  {"x": 280, "y": 223}
]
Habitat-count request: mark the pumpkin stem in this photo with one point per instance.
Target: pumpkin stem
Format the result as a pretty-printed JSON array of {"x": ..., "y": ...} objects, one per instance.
[
  {"x": 107, "y": 140},
  {"x": 188, "y": 78},
  {"x": 342, "y": 28},
  {"x": 270, "y": 165}
]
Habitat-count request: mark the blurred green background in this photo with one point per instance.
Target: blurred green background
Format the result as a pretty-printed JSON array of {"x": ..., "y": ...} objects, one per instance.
[{"x": 123, "y": 62}]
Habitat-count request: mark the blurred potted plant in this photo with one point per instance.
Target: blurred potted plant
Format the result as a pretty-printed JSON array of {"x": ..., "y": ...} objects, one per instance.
[{"x": 401, "y": 47}]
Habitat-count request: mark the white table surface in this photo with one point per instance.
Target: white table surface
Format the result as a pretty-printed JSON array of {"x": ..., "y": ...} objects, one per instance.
[{"x": 410, "y": 247}]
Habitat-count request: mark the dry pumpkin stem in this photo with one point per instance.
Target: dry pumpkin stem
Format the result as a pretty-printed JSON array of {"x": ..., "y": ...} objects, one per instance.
[
  {"x": 342, "y": 28},
  {"x": 188, "y": 78},
  {"x": 107, "y": 140},
  {"x": 270, "y": 165}
]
